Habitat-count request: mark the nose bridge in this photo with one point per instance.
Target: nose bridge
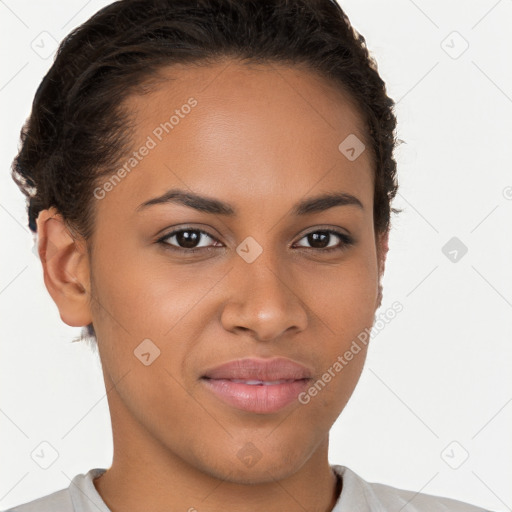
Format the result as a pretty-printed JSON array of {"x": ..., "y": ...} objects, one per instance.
[{"x": 262, "y": 297}]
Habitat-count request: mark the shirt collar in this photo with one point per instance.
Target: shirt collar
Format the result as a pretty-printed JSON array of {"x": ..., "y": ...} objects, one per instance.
[{"x": 354, "y": 493}]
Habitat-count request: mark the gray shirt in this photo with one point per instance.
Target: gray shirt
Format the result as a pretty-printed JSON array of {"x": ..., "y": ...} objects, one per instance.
[{"x": 357, "y": 495}]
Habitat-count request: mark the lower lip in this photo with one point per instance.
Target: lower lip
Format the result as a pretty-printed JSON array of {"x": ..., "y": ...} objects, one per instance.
[{"x": 262, "y": 399}]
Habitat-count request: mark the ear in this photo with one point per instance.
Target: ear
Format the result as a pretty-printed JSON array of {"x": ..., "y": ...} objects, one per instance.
[
  {"x": 382, "y": 251},
  {"x": 65, "y": 268}
]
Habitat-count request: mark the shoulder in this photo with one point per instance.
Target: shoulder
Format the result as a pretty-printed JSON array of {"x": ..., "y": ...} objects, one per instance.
[
  {"x": 58, "y": 501},
  {"x": 80, "y": 496},
  {"x": 369, "y": 497}
]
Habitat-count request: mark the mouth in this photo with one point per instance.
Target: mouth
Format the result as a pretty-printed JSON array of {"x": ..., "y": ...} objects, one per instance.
[
  {"x": 261, "y": 386},
  {"x": 261, "y": 382}
]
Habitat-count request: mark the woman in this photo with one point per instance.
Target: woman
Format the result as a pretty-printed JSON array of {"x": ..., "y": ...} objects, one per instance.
[{"x": 211, "y": 185}]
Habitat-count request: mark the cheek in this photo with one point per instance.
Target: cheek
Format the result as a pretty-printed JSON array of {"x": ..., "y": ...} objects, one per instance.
[
  {"x": 148, "y": 296},
  {"x": 343, "y": 297},
  {"x": 151, "y": 300},
  {"x": 137, "y": 302},
  {"x": 344, "y": 301}
]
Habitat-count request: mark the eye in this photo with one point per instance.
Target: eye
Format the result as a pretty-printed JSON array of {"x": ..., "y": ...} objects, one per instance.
[
  {"x": 321, "y": 240},
  {"x": 187, "y": 240}
]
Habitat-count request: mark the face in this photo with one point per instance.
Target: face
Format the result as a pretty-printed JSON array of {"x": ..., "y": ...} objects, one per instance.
[{"x": 178, "y": 291}]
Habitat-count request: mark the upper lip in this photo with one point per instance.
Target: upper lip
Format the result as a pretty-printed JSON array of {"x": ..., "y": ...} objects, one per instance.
[{"x": 277, "y": 368}]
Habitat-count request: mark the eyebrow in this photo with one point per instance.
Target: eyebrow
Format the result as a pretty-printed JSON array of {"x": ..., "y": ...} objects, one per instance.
[{"x": 205, "y": 204}]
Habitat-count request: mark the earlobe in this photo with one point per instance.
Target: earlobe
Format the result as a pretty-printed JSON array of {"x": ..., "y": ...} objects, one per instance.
[{"x": 65, "y": 268}]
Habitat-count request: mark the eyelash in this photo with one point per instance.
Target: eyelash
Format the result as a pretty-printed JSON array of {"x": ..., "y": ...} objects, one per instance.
[{"x": 346, "y": 241}]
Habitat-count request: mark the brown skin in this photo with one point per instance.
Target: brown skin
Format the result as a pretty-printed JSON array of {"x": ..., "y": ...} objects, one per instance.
[{"x": 261, "y": 138}]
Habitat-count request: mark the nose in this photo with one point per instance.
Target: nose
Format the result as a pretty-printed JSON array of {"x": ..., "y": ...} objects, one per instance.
[{"x": 264, "y": 300}]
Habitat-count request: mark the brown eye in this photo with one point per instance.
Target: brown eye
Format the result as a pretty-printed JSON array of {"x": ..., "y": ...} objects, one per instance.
[
  {"x": 321, "y": 240},
  {"x": 187, "y": 239}
]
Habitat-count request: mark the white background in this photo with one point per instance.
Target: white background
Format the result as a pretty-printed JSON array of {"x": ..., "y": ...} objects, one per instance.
[{"x": 438, "y": 373}]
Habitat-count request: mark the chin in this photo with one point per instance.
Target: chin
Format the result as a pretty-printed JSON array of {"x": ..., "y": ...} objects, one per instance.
[{"x": 260, "y": 473}]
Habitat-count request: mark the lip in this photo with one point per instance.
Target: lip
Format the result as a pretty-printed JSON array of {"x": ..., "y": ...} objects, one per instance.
[{"x": 258, "y": 385}]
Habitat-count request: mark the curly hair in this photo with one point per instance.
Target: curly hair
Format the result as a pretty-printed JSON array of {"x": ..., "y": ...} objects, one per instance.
[{"x": 77, "y": 130}]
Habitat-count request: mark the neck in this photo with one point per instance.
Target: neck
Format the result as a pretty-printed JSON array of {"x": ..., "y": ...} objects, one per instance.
[{"x": 154, "y": 479}]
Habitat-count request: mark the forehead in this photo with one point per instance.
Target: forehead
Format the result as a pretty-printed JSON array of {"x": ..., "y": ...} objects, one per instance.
[
  {"x": 220, "y": 129},
  {"x": 248, "y": 91}
]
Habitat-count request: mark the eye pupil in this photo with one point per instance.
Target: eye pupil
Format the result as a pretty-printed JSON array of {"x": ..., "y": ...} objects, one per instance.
[
  {"x": 187, "y": 239},
  {"x": 318, "y": 236}
]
